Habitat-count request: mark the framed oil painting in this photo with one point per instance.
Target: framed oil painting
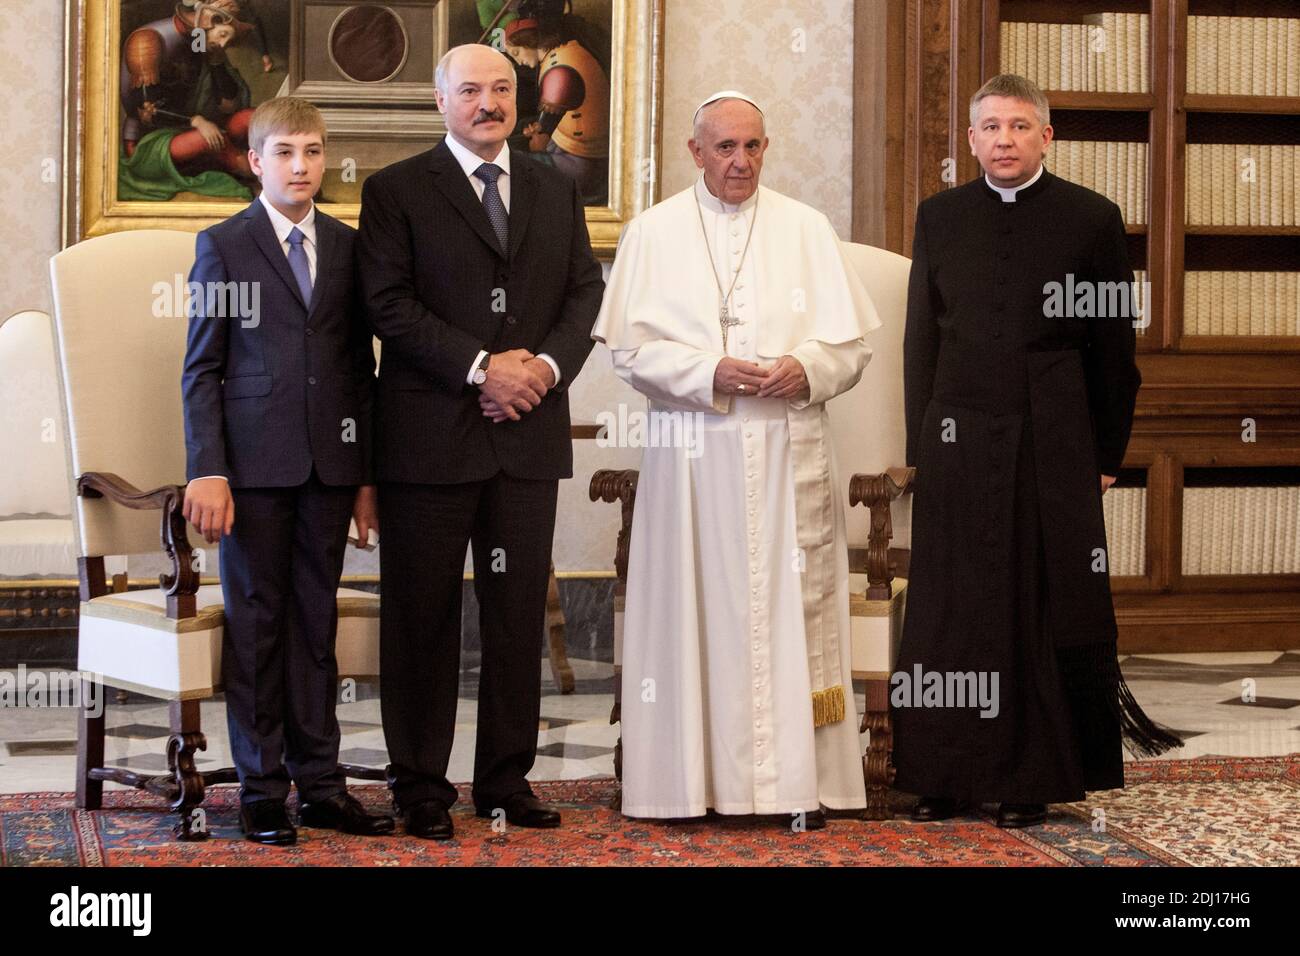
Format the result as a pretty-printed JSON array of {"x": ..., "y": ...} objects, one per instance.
[{"x": 159, "y": 95}]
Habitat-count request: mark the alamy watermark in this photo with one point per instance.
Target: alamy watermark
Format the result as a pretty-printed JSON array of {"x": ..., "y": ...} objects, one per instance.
[
  {"x": 947, "y": 689},
  {"x": 1098, "y": 300},
  {"x": 657, "y": 429},
  {"x": 21, "y": 688},
  {"x": 214, "y": 300}
]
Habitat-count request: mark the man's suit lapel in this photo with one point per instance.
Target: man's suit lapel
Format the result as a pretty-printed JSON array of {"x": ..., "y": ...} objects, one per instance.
[
  {"x": 452, "y": 183},
  {"x": 523, "y": 195},
  {"x": 259, "y": 224}
]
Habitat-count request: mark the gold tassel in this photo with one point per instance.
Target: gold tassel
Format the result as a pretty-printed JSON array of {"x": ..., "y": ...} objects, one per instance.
[{"x": 828, "y": 706}]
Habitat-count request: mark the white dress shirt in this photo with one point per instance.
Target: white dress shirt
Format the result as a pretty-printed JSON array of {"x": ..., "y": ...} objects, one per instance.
[
  {"x": 469, "y": 163},
  {"x": 1009, "y": 194},
  {"x": 283, "y": 225}
]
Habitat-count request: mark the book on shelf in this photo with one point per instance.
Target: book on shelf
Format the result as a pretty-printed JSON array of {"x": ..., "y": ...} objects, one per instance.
[
  {"x": 1269, "y": 27},
  {"x": 1053, "y": 75},
  {"x": 1249, "y": 56}
]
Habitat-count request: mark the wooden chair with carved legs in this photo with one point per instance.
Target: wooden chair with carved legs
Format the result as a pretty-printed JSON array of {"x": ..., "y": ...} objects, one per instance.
[
  {"x": 870, "y": 432},
  {"x": 120, "y": 336},
  {"x": 609, "y": 486}
]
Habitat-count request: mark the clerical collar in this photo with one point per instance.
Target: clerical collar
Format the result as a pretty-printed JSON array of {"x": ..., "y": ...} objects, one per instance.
[
  {"x": 716, "y": 205},
  {"x": 1009, "y": 195}
]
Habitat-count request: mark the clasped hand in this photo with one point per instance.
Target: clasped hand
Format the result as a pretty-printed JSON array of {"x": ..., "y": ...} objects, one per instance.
[
  {"x": 517, "y": 381},
  {"x": 785, "y": 378}
]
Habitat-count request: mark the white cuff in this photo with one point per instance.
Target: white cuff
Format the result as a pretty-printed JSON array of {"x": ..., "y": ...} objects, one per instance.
[
  {"x": 554, "y": 368},
  {"x": 205, "y": 477},
  {"x": 469, "y": 379}
]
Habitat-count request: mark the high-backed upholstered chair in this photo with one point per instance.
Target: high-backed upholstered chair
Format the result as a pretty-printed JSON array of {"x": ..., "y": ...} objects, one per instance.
[
  {"x": 120, "y": 321},
  {"x": 871, "y": 440},
  {"x": 869, "y": 433},
  {"x": 35, "y": 523}
]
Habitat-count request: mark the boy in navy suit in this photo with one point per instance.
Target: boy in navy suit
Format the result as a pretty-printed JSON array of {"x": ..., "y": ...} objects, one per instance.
[{"x": 277, "y": 385}]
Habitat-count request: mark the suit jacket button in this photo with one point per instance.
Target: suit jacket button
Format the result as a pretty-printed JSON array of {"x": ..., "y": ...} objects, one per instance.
[
  {"x": 311, "y": 381},
  {"x": 311, "y": 331},
  {"x": 511, "y": 320}
]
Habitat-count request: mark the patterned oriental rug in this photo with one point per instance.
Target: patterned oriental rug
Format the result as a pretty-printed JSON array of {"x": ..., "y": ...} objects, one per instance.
[{"x": 1203, "y": 812}]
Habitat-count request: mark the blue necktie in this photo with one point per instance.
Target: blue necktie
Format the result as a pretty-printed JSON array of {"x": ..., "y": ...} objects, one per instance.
[
  {"x": 492, "y": 204},
  {"x": 298, "y": 264}
]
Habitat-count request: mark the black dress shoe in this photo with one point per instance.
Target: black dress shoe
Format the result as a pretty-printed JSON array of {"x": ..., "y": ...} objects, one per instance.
[
  {"x": 266, "y": 821},
  {"x": 525, "y": 810},
  {"x": 814, "y": 819},
  {"x": 343, "y": 812},
  {"x": 930, "y": 809},
  {"x": 428, "y": 820},
  {"x": 1014, "y": 815}
]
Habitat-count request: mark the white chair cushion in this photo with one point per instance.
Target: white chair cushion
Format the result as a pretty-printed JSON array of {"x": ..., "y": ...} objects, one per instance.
[
  {"x": 357, "y": 647},
  {"x": 877, "y": 629},
  {"x": 127, "y": 641}
]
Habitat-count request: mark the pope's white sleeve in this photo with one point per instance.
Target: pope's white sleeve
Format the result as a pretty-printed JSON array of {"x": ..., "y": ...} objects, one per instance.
[
  {"x": 673, "y": 372},
  {"x": 831, "y": 369}
]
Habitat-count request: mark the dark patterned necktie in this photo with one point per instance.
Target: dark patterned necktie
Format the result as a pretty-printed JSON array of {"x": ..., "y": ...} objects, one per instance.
[{"x": 492, "y": 204}]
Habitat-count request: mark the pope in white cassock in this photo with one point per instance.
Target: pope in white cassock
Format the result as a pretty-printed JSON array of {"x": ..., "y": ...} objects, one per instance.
[{"x": 734, "y": 302}]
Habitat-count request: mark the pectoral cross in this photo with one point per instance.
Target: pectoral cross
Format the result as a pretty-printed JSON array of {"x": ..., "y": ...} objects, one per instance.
[{"x": 727, "y": 320}]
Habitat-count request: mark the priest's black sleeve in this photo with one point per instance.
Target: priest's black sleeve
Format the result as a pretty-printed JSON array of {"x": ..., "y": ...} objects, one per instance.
[
  {"x": 1109, "y": 361},
  {"x": 920, "y": 339}
]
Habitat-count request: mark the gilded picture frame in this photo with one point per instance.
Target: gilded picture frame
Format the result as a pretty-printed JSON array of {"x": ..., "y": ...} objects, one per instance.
[{"x": 96, "y": 115}]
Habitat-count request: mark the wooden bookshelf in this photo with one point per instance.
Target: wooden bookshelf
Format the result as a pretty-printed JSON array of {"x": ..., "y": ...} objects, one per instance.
[
  {"x": 927, "y": 58},
  {"x": 1213, "y": 103}
]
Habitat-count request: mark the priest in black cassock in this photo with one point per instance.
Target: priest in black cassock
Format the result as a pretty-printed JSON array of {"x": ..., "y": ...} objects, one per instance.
[{"x": 1020, "y": 384}]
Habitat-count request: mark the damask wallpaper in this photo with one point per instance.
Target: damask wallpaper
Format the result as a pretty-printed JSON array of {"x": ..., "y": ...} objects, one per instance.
[
  {"x": 31, "y": 129},
  {"x": 796, "y": 60}
]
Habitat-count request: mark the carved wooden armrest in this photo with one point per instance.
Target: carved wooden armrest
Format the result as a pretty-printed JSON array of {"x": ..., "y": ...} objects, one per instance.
[
  {"x": 876, "y": 492},
  {"x": 610, "y": 485},
  {"x": 183, "y": 583}
]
